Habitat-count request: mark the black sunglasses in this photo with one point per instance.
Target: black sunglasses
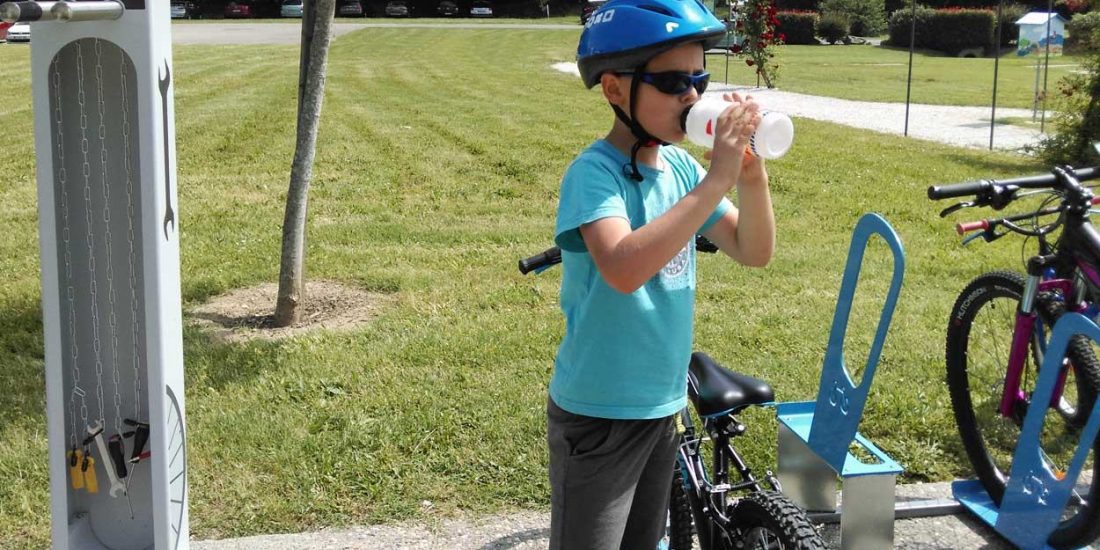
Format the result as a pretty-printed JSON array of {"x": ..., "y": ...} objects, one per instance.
[{"x": 675, "y": 82}]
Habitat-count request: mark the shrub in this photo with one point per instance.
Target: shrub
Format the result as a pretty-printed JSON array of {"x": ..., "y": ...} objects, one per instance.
[
  {"x": 1083, "y": 33},
  {"x": 1009, "y": 31},
  {"x": 865, "y": 17},
  {"x": 1077, "y": 122},
  {"x": 947, "y": 30},
  {"x": 797, "y": 27},
  {"x": 954, "y": 30},
  {"x": 899, "y": 26},
  {"x": 832, "y": 27}
]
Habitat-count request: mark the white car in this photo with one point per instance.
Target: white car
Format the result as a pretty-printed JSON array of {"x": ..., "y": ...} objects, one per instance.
[
  {"x": 481, "y": 9},
  {"x": 19, "y": 32}
]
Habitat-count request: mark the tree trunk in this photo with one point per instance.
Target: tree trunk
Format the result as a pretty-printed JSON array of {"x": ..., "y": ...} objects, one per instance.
[{"x": 316, "y": 38}]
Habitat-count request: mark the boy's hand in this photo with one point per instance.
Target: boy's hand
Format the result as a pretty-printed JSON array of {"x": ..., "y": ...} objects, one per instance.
[{"x": 731, "y": 137}]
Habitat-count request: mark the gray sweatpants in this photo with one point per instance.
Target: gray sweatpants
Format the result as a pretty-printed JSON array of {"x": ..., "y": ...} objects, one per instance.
[{"x": 609, "y": 480}]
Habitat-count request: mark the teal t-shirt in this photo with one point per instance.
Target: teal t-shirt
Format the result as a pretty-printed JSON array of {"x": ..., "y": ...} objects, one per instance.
[{"x": 624, "y": 356}]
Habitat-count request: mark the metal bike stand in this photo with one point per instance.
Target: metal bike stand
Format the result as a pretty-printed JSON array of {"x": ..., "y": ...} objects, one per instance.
[
  {"x": 815, "y": 436},
  {"x": 1035, "y": 497}
]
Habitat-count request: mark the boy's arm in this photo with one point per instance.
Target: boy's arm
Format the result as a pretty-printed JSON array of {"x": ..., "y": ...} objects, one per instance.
[
  {"x": 748, "y": 235},
  {"x": 627, "y": 259}
]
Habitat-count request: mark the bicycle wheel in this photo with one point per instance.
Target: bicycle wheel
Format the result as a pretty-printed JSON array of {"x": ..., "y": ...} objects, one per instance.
[
  {"x": 979, "y": 337},
  {"x": 680, "y": 525},
  {"x": 769, "y": 520}
]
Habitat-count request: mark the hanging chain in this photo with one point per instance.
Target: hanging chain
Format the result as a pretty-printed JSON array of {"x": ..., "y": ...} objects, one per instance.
[
  {"x": 70, "y": 292},
  {"x": 111, "y": 296},
  {"x": 87, "y": 172},
  {"x": 130, "y": 219}
]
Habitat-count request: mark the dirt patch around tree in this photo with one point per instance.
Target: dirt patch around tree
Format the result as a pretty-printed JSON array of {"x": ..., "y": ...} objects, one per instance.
[{"x": 247, "y": 313}]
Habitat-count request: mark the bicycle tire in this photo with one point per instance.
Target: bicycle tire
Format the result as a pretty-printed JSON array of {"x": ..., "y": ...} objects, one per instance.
[
  {"x": 680, "y": 525},
  {"x": 766, "y": 519},
  {"x": 986, "y": 447}
]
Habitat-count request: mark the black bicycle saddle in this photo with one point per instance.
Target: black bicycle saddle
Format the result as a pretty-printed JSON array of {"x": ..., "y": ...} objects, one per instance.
[{"x": 716, "y": 390}]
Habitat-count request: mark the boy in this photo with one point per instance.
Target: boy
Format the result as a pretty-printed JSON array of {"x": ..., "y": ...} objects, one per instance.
[{"x": 630, "y": 207}]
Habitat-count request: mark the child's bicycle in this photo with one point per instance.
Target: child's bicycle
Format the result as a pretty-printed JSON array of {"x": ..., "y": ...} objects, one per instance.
[
  {"x": 705, "y": 506},
  {"x": 998, "y": 331}
]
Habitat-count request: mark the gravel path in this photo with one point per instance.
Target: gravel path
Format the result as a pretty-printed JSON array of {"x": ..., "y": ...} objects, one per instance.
[{"x": 530, "y": 531}]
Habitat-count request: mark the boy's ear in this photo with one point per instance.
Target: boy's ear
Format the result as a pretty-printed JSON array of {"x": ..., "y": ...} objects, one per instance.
[{"x": 615, "y": 90}]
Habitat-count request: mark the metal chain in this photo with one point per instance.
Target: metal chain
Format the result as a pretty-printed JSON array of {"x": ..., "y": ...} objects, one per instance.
[
  {"x": 130, "y": 219},
  {"x": 70, "y": 292},
  {"x": 111, "y": 296},
  {"x": 87, "y": 172}
]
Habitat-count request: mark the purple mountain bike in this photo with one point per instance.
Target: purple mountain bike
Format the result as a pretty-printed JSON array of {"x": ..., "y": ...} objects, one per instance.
[{"x": 998, "y": 331}]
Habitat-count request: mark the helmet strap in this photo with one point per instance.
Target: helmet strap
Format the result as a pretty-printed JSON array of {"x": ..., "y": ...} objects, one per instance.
[{"x": 643, "y": 138}]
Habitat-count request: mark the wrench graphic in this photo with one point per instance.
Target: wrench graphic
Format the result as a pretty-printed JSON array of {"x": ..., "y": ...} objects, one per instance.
[
  {"x": 169, "y": 215},
  {"x": 96, "y": 431}
]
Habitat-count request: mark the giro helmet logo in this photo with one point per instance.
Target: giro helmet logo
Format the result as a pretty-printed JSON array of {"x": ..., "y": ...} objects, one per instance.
[
  {"x": 600, "y": 17},
  {"x": 670, "y": 26}
]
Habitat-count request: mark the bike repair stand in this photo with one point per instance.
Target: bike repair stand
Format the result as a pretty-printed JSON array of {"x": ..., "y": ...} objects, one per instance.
[
  {"x": 815, "y": 437},
  {"x": 1035, "y": 497},
  {"x": 112, "y": 323}
]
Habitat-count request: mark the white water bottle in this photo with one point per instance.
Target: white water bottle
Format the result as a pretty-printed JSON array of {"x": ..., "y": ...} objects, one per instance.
[{"x": 772, "y": 139}]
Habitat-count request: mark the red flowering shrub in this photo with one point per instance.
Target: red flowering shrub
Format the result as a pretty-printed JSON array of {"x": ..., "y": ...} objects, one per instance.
[{"x": 756, "y": 22}]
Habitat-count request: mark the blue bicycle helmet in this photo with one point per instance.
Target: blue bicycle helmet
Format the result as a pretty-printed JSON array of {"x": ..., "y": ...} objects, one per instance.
[{"x": 625, "y": 34}]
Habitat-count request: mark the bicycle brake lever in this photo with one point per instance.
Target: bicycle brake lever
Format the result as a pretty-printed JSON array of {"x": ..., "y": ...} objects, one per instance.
[
  {"x": 969, "y": 238},
  {"x": 955, "y": 208}
]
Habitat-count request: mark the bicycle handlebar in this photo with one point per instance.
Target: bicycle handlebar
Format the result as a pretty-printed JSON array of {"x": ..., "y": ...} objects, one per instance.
[
  {"x": 546, "y": 258},
  {"x": 552, "y": 256},
  {"x": 937, "y": 192}
]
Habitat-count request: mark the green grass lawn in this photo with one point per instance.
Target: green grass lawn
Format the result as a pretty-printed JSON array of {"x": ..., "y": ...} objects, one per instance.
[
  {"x": 437, "y": 168},
  {"x": 870, "y": 73}
]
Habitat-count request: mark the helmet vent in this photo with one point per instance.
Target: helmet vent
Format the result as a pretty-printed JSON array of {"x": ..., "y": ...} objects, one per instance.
[{"x": 660, "y": 9}]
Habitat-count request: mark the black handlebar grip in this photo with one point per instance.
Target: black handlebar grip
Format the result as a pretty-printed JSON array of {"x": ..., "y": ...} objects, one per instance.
[
  {"x": 545, "y": 258},
  {"x": 937, "y": 192},
  {"x": 114, "y": 448}
]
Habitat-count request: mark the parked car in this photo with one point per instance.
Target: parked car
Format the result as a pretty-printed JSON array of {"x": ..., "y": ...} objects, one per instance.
[
  {"x": 350, "y": 8},
  {"x": 19, "y": 32},
  {"x": 481, "y": 8},
  {"x": 182, "y": 9},
  {"x": 238, "y": 9},
  {"x": 4, "y": 31},
  {"x": 447, "y": 8},
  {"x": 291, "y": 8},
  {"x": 397, "y": 8},
  {"x": 589, "y": 7}
]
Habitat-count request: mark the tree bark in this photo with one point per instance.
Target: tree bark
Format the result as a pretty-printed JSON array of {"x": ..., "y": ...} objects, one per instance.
[{"x": 316, "y": 38}]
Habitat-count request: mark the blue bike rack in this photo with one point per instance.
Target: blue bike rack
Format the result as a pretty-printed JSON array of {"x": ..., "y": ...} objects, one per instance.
[
  {"x": 1034, "y": 497},
  {"x": 815, "y": 437}
]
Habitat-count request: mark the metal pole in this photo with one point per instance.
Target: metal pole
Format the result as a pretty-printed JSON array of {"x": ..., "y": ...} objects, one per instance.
[
  {"x": 1046, "y": 67},
  {"x": 14, "y": 12},
  {"x": 902, "y": 510},
  {"x": 996, "y": 69},
  {"x": 909, "y": 79}
]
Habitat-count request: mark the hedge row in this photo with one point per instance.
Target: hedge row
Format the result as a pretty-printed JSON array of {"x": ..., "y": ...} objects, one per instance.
[
  {"x": 797, "y": 27},
  {"x": 1060, "y": 6},
  {"x": 947, "y": 30}
]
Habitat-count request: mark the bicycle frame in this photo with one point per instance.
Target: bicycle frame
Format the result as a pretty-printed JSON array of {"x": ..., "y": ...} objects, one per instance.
[
  {"x": 1026, "y": 319},
  {"x": 709, "y": 496}
]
